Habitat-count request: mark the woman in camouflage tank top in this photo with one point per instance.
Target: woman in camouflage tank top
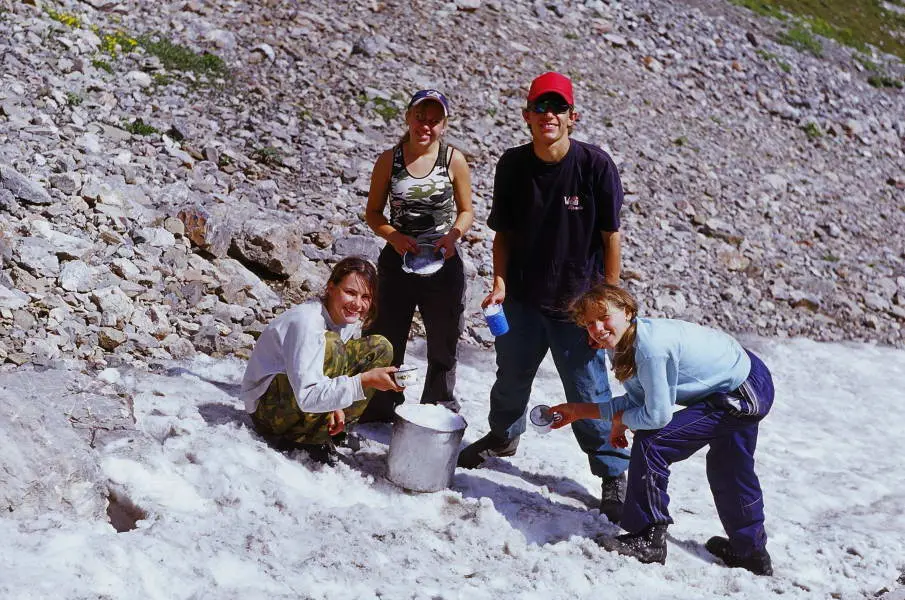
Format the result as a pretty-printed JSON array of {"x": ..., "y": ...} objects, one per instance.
[{"x": 428, "y": 186}]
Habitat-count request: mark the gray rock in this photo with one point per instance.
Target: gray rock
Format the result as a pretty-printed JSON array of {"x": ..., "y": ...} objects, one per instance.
[
  {"x": 76, "y": 276},
  {"x": 22, "y": 188},
  {"x": 110, "y": 339},
  {"x": 356, "y": 245},
  {"x": 68, "y": 183},
  {"x": 38, "y": 256},
  {"x": 238, "y": 285},
  {"x": 36, "y": 478},
  {"x": 12, "y": 298},
  {"x": 115, "y": 306}
]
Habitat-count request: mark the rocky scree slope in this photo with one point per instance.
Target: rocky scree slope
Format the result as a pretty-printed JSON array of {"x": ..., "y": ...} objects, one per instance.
[{"x": 155, "y": 205}]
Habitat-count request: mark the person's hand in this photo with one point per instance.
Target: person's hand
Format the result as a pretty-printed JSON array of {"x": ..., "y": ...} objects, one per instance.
[
  {"x": 336, "y": 422},
  {"x": 617, "y": 433},
  {"x": 446, "y": 245},
  {"x": 496, "y": 296},
  {"x": 402, "y": 243},
  {"x": 381, "y": 379},
  {"x": 565, "y": 414}
]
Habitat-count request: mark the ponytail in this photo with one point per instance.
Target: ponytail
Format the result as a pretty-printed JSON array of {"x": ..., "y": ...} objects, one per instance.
[{"x": 624, "y": 354}]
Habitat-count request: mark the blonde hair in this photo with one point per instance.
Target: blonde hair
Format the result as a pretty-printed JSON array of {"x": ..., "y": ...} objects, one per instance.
[{"x": 596, "y": 303}]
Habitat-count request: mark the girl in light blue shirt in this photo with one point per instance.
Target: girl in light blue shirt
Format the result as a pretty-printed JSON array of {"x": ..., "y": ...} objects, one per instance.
[{"x": 725, "y": 389}]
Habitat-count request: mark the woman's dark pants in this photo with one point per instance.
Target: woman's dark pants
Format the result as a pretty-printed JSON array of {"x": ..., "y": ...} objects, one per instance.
[{"x": 440, "y": 298}]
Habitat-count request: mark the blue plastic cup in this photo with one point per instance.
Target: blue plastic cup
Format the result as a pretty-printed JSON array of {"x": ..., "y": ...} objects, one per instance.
[{"x": 496, "y": 319}]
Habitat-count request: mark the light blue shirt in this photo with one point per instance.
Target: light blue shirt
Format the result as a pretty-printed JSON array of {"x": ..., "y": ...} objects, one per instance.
[{"x": 676, "y": 363}]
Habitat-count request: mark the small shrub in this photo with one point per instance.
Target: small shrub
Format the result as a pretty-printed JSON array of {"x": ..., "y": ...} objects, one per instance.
[
  {"x": 73, "y": 99},
  {"x": 680, "y": 141},
  {"x": 102, "y": 64},
  {"x": 67, "y": 19},
  {"x": 386, "y": 109},
  {"x": 139, "y": 127},
  {"x": 116, "y": 43},
  {"x": 269, "y": 156},
  {"x": 867, "y": 63},
  {"x": 812, "y": 130},
  {"x": 884, "y": 81}
]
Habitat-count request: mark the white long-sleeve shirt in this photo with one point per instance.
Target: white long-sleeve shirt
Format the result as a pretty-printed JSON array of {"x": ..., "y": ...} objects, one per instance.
[{"x": 294, "y": 344}]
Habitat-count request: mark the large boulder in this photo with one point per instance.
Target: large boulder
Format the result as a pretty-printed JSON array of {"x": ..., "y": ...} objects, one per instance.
[{"x": 48, "y": 424}]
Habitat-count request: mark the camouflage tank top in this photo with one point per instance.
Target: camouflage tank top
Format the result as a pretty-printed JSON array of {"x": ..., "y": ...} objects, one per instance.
[{"x": 422, "y": 207}]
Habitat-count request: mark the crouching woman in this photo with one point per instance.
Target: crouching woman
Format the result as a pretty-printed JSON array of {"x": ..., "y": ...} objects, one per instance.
[
  {"x": 311, "y": 372},
  {"x": 726, "y": 391}
]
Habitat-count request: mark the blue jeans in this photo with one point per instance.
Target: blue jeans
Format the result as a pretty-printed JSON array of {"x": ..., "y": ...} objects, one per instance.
[
  {"x": 730, "y": 464},
  {"x": 581, "y": 368}
]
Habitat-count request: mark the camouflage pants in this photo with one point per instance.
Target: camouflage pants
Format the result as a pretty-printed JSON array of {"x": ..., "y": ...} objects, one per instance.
[{"x": 278, "y": 417}]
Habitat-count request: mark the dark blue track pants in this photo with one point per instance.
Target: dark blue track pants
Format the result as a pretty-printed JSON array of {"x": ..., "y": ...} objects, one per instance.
[{"x": 730, "y": 464}]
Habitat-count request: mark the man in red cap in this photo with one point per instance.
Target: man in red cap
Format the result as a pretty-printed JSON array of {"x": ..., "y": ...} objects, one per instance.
[{"x": 555, "y": 212}]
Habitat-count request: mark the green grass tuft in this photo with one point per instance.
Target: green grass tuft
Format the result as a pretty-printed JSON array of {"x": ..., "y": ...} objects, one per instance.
[
  {"x": 764, "y": 9},
  {"x": 868, "y": 64},
  {"x": 102, "y": 64},
  {"x": 884, "y": 81},
  {"x": 269, "y": 156},
  {"x": 179, "y": 58},
  {"x": 812, "y": 130},
  {"x": 387, "y": 109},
  {"x": 139, "y": 127},
  {"x": 67, "y": 19},
  {"x": 801, "y": 39},
  {"x": 854, "y": 23}
]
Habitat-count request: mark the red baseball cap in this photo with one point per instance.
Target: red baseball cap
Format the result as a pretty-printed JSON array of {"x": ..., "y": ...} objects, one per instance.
[{"x": 551, "y": 83}]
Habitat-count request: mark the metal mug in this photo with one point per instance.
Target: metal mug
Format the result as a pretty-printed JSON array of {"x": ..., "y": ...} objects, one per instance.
[{"x": 542, "y": 419}]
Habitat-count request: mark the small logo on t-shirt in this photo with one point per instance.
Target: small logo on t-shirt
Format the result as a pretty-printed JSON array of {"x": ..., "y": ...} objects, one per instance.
[{"x": 572, "y": 202}]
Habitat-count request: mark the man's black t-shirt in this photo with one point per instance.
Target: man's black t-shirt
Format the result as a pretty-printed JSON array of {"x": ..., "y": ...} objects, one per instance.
[{"x": 555, "y": 214}]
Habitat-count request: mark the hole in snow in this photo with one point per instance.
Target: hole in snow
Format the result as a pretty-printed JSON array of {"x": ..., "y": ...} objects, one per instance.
[{"x": 122, "y": 512}]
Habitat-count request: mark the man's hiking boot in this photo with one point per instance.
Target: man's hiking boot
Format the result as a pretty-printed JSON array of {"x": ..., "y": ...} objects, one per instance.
[
  {"x": 612, "y": 496},
  {"x": 758, "y": 562},
  {"x": 647, "y": 546},
  {"x": 489, "y": 445}
]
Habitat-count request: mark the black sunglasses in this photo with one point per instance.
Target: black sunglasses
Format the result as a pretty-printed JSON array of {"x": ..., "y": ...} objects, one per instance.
[{"x": 555, "y": 106}]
